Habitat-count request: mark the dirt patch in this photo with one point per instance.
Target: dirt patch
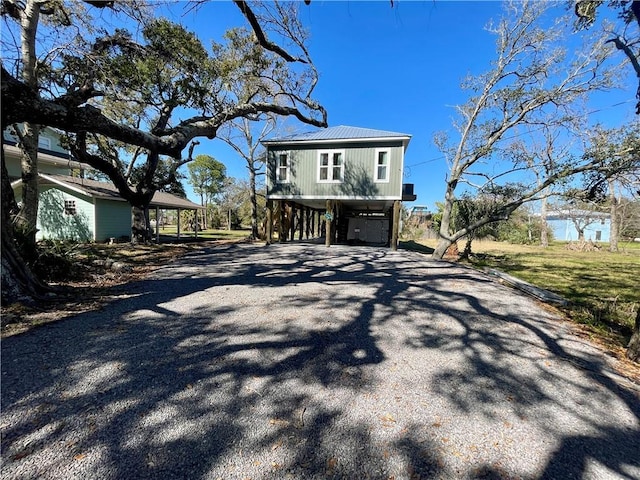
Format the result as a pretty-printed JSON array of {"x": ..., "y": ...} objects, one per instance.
[{"x": 103, "y": 271}]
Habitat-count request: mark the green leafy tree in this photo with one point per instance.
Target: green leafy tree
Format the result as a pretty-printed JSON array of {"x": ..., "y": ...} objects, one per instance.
[
  {"x": 234, "y": 203},
  {"x": 207, "y": 176},
  {"x": 619, "y": 151}
]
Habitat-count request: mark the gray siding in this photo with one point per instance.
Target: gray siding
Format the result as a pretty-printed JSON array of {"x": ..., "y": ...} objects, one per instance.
[
  {"x": 113, "y": 219},
  {"x": 359, "y": 171}
]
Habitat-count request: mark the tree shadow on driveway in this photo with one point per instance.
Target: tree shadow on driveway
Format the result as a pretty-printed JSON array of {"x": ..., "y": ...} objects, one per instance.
[{"x": 301, "y": 361}]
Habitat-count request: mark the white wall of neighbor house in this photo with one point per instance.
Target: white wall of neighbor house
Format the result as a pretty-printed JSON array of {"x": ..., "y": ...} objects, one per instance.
[{"x": 565, "y": 230}]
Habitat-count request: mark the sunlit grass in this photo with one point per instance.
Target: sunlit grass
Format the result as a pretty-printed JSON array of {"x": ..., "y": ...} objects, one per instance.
[{"x": 210, "y": 234}]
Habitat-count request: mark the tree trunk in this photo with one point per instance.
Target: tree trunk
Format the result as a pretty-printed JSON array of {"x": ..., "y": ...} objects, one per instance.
[
  {"x": 466, "y": 253},
  {"x": 18, "y": 282},
  {"x": 204, "y": 212},
  {"x": 544, "y": 234},
  {"x": 444, "y": 241},
  {"x": 27, "y": 218},
  {"x": 633, "y": 350},
  {"x": 140, "y": 224},
  {"x": 614, "y": 231},
  {"x": 254, "y": 204}
]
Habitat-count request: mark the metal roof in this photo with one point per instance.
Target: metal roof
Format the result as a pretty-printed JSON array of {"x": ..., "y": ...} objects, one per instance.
[
  {"x": 107, "y": 190},
  {"x": 341, "y": 132}
]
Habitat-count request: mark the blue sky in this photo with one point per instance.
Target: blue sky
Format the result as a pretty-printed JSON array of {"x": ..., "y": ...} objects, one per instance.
[{"x": 396, "y": 69}]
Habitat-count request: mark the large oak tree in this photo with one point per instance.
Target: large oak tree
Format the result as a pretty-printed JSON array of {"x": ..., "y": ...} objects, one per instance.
[{"x": 158, "y": 94}]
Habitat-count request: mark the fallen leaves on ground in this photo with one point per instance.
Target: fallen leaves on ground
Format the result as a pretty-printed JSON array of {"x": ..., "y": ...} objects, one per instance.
[{"x": 99, "y": 286}]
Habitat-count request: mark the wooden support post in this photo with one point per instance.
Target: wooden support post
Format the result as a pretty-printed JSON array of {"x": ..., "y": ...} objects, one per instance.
[
  {"x": 268, "y": 233},
  {"x": 178, "y": 228},
  {"x": 157, "y": 224},
  {"x": 307, "y": 221},
  {"x": 313, "y": 223},
  {"x": 396, "y": 225},
  {"x": 292, "y": 231},
  {"x": 301, "y": 223},
  {"x": 281, "y": 233},
  {"x": 328, "y": 232}
]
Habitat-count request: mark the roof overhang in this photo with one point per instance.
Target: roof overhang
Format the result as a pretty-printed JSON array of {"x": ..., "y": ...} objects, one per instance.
[
  {"x": 160, "y": 199},
  {"x": 52, "y": 158},
  {"x": 403, "y": 139}
]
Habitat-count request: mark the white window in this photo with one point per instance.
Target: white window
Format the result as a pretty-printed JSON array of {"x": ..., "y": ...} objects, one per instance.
[
  {"x": 283, "y": 168},
  {"x": 69, "y": 207},
  {"x": 44, "y": 142},
  {"x": 331, "y": 166},
  {"x": 382, "y": 166}
]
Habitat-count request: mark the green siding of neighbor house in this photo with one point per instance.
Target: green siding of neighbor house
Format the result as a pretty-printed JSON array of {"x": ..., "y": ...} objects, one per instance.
[
  {"x": 14, "y": 168},
  {"x": 55, "y": 223},
  {"x": 114, "y": 219},
  {"x": 49, "y": 147},
  {"x": 95, "y": 219},
  {"x": 359, "y": 171}
]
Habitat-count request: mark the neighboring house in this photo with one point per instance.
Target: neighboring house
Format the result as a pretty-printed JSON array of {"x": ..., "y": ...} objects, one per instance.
[
  {"x": 72, "y": 207},
  {"x": 347, "y": 181},
  {"x": 420, "y": 214},
  {"x": 565, "y": 224},
  {"x": 52, "y": 158}
]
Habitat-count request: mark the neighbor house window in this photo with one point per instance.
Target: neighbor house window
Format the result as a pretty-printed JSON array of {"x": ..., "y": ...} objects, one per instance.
[
  {"x": 331, "y": 166},
  {"x": 44, "y": 142},
  {"x": 283, "y": 168},
  {"x": 382, "y": 166},
  {"x": 69, "y": 207}
]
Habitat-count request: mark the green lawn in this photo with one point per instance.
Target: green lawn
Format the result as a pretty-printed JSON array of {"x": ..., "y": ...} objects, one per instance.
[
  {"x": 171, "y": 230},
  {"x": 603, "y": 287}
]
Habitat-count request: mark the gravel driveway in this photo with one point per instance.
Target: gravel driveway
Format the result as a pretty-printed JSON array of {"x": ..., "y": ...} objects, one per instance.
[{"x": 306, "y": 362}]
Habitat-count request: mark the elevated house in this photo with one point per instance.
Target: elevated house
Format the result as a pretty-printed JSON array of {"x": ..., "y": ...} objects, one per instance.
[
  {"x": 420, "y": 214},
  {"x": 343, "y": 183},
  {"x": 74, "y": 207}
]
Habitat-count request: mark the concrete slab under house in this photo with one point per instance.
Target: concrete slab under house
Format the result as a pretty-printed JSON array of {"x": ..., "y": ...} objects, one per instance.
[{"x": 341, "y": 183}]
